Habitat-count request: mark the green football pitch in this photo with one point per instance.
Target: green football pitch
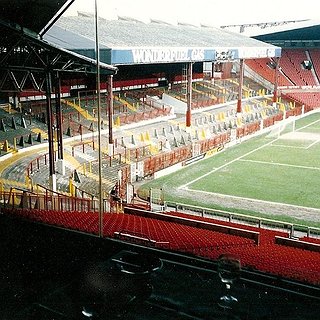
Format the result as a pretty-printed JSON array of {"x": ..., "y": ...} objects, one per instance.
[{"x": 281, "y": 166}]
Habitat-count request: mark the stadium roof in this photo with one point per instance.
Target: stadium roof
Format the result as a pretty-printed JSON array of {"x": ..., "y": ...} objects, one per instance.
[
  {"x": 298, "y": 34},
  {"x": 295, "y": 33},
  {"x": 127, "y": 41}
]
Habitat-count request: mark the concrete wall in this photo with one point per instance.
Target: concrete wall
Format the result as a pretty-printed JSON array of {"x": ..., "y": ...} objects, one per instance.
[{"x": 179, "y": 106}]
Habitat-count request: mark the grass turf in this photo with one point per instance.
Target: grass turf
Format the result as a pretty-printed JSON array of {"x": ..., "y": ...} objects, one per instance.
[{"x": 284, "y": 170}]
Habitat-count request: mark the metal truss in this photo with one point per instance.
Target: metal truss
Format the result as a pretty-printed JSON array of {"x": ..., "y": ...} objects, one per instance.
[{"x": 25, "y": 59}]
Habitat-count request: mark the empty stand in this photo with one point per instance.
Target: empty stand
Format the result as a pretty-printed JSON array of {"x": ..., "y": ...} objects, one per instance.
[
  {"x": 292, "y": 66},
  {"x": 263, "y": 67},
  {"x": 315, "y": 60},
  {"x": 181, "y": 234}
]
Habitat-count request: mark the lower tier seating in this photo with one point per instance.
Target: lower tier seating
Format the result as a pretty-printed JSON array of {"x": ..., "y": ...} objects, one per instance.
[{"x": 286, "y": 261}]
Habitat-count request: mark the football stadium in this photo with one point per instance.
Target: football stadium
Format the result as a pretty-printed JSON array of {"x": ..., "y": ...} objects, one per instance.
[{"x": 151, "y": 170}]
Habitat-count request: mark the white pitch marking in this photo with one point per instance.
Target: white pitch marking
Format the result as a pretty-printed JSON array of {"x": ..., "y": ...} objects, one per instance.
[
  {"x": 226, "y": 164},
  {"x": 291, "y": 147},
  {"x": 308, "y": 125},
  {"x": 238, "y": 158},
  {"x": 313, "y": 143},
  {"x": 280, "y": 164},
  {"x": 315, "y": 210}
]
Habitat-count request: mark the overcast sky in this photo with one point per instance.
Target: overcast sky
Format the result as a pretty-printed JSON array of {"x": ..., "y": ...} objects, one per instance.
[{"x": 211, "y": 12}]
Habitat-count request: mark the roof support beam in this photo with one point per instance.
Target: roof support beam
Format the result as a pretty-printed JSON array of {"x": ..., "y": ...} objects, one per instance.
[
  {"x": 14, "y": 81},
  {"x": 52, "y": 179},
  {"x": 24, "y": 60},
  {"x": 57, "y": 87}
]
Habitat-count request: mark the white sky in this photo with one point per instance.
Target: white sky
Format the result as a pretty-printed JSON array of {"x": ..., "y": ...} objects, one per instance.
[{"x": 211, "y": 12}]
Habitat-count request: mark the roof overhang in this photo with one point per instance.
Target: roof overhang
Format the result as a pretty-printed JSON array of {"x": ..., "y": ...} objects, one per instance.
[
  {"x": 34, "y": 15},
  {"x": 153, "y": 55},
  {"x": 25, "y": 59},
  {"x": 287, "y": 33},
  {"x": 294, "y": 35},
  {"x": 136, "y": 43},
  {"x": 297, "y": 29},
  {"x": 20, "y": 50}
]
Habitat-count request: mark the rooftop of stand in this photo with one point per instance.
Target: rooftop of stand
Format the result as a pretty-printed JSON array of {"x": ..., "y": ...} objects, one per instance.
[
  {"x": 293, "y": 33},
  {"x": 134, "y": 42}
]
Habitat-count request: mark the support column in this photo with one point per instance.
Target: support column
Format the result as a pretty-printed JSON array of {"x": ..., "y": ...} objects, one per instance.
[
  {"x": 15, "y": 100},
  {"x": 97, "y": 47},
  {"x": 110, "y": 113},
  {"x": 276, "y": 82},
  {"x": 60, "y": 161},
  {"x": 52, "y": 175},
  {"x": 213, "y": 69},
  {"x": 189, "y": 95},
  {"x": 239, "y": 103}
]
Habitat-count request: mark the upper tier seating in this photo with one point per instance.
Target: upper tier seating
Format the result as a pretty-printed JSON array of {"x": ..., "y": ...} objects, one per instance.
[
  {"x": 291, "y": 65},
  {"x": 262, "y": 67}
]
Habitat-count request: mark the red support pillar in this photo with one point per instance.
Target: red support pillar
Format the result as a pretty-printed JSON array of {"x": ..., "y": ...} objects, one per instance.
[
  {"x": 110, "y": 112},
  {"x": 276, "y": 76},
  {"x": 189, "y": 95},
  {"x": 239, "y": 106}
]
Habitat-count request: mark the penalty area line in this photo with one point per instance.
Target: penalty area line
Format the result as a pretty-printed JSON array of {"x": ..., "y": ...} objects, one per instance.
[
  {"x": 280, "y": 164},
  {"x": 312, "y": 144},
  {"x": 225, "y": 165}
]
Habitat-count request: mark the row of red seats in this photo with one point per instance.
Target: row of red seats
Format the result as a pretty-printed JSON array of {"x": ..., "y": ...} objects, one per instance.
[
  {"x": 311, "y": 240},
  {"x": 266, "y": 235},
  {"x": 315, "y": 58},
  {"x": 294, "y": 263},
  {"x": 179, "y": 236},
  {"x": 310, "y": 99},
  {"x": 81, "y": 221},
  {"x": 269, "y": 257},
  {"x": 291, "y": 66},
  {"x": 291, "y": 70},
  {"x": 261, "y": 67}
]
